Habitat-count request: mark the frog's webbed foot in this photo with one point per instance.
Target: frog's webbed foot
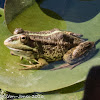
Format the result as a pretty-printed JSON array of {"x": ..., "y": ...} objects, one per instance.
[{"x": 41, "y": 62}]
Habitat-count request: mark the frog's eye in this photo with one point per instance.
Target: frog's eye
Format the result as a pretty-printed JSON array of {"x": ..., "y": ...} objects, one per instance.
[{"x": 23, "y": 38}]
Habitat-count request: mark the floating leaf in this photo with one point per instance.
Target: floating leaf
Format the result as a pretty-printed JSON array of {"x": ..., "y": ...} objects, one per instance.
[{"x": 29, "y": 16}]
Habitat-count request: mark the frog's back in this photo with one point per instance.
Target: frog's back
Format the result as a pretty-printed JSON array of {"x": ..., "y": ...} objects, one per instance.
[
  {"x": 54, "y": 45},
  {"x": 56, "y": 38}
]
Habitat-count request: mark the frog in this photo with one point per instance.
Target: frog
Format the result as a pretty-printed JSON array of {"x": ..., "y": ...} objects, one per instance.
[{"x": 48, "y": 46}]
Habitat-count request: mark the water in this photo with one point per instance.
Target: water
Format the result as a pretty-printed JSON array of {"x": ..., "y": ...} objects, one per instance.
[{"x": 2, "y": 3}]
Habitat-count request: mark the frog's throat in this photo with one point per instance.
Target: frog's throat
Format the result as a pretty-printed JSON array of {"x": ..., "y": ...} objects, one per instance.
[{"x": 13, "y": 49}]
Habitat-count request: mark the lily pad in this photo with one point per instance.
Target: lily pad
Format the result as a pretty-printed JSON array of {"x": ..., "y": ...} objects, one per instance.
[
  {"x": 33, "y": 18},
  {"x": 69, "y": 93},
  {"x": 30, "y": 16},
  {"x": 74, "y": 92}
]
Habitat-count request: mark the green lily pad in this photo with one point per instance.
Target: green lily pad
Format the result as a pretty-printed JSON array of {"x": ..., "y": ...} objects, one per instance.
[
  {"x": 30, "y": 16},
  {"x": 69, "y": 93},
  {"x": 33, "y": 18},
  {"x": 70, "y": 96},
  {"x": 74, "y": 92}
]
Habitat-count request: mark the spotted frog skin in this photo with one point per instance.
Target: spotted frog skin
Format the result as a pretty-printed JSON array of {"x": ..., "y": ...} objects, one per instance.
[{"x": 47, "y": 46}]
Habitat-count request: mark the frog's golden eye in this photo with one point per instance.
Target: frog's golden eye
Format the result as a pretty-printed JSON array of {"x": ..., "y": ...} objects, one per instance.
[{"x": 23, "y": 38}]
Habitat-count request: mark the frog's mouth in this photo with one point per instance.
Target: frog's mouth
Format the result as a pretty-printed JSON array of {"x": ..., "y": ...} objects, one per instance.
[{"x": 13, "y": 49}]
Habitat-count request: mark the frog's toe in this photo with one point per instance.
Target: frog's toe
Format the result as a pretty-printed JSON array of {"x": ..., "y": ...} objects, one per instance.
[
  {"x": 30, "y": 62},
  {"x": 26, "y": 65},
  {"x": 61, "y": 67},
  {"x": 74, "y": 65},
  {"x": 41, "y": 63},
  {"x": 66, "y": 65},
  {"x": 29, "y": 66}
]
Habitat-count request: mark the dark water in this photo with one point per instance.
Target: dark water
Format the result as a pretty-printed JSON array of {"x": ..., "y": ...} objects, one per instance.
[
  {"x": 72, "y": 10},
  {"x": 2, "y": 3}
]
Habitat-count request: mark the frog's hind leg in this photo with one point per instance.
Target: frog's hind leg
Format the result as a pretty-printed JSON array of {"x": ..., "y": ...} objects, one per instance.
[{"x": 77, "y": 55}]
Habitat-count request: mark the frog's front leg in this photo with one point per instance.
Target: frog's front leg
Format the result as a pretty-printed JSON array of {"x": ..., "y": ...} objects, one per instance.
[
  {"x": 41, "y": 62},
  {"x": 76, "y": 55}
]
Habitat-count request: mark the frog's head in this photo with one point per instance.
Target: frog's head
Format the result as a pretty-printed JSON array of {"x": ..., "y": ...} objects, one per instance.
[{"x": 18, "y": 42}]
